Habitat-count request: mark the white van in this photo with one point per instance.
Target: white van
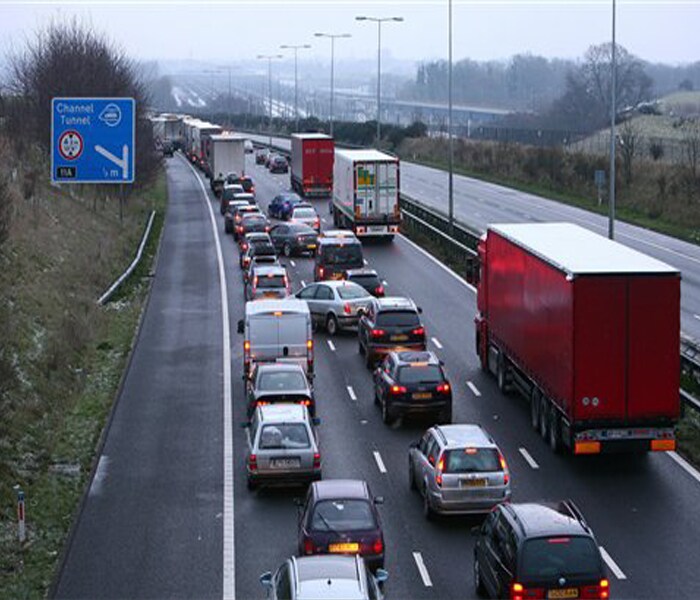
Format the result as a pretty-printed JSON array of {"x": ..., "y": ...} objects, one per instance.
[{"x": 277, "y": 330}]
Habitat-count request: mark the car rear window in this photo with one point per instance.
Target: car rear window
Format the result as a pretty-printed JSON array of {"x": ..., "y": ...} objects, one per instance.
[
  {"x": 472, "y": 460},
  {"x": 254, "y": 220},
  {"x": 343, "y": 515},
  {"x": 352, "y": 292},
  {"x": 366, "y": 280},
  {"x": 422, "y": 374},
  {"x": 263, "y": 248},
  {"x": 284, "y": 436},
  {"x": 562, "y": 556},
  {"x": 345, "y": 254},
  {"x": 281, "y": 381},
  {"x": 304, "y": 213},
  {"x": 271, "y": 281},
  {"x": 247, "y": 184},
  {"x": 398, "y": 318}
]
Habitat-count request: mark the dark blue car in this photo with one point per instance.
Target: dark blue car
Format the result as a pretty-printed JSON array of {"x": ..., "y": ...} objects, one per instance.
[{"x": 282, "y": 204}]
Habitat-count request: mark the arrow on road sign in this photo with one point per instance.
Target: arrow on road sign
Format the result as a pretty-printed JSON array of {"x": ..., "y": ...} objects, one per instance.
[{"x": 122, "y": 162}]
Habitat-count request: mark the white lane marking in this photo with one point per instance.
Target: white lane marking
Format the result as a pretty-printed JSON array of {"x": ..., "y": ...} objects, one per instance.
[
  {"x": 291, "y": 262},
  {"x": 303, "y": 283},
  {"x": 100, "y": 476},
  {"x": 364, "y": 260},
  {"x": 530, "y": 461},
  {"x": 612, "y": 564},
  {"x": 422, "y": 569},
  {"x": 379, "y": 461},
  {"x": 437, "y": 343},
  {"x": 697, "y": 317},
  {"x": 351, "y": 393},
  {"x": 384, "y": 282},
  {"x": 438, "y": 263},
  {"x": 685, "y": 465},
  {"x": 323, "y": 219},
  {"x": 331, "y": 345},
  {"x": 473, "y": 388},
  {"x": 229, "y": 557}
]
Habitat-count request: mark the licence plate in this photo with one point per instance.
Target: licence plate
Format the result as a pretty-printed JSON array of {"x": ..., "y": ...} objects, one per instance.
[
  {"x": 399, "y": 338},
  {"x": 377, "y": 228},
  {"x": 344, "y": 547},
  {"x": 481, "y": 482},
  {"x": 563, "y": 593},
  {"x": 269, "y": 295},
  {"x": 422, "y": 396},
  {"x": 311, "y": 246},
  {"x": 285, "y": 463}
]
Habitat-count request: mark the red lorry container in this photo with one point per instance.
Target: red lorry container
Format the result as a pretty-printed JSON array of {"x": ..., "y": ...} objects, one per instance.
[
  {"x": 588, "y": 330},
  {"x": 312, "y": 164}
]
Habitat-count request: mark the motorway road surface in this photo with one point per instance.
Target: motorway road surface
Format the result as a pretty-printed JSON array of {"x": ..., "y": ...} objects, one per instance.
[
  {"x": 477, "y": 203},
  {"x": 153, "y": 521}
]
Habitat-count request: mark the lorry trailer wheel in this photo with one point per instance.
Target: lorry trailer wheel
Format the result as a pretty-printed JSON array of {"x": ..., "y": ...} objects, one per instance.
[
  {"x": 535, "y": 409},
  {"x": 554, "y": 431},
  {"x": 544, "y": 418},
  {"x": 501, "y": 373}
]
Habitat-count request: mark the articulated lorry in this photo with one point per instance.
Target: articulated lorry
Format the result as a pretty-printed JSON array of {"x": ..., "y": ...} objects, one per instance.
[
  {"x": 366, "y": 192},
  {"x": 224, "y": 154},
  {"x": 312, "y": 164},
  {"x": 586, "y": 329}
]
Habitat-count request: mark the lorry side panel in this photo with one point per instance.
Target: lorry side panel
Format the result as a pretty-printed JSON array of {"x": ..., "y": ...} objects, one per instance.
[
  {"x": 600, "y": 347},
  {"x": 653, "y": 367},
  {"x": 317, "y": 162},
  {"x": 344, "y": 185},
  {"x": 530, "y": 312}
]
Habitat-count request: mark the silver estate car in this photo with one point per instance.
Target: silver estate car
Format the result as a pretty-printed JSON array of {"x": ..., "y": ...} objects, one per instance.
[
  {"x": 335, "y": 304},
  {"x": 266, "y": 281},
  {"x": 282, "y": 446},
  {"x": 458, "y": 469}
]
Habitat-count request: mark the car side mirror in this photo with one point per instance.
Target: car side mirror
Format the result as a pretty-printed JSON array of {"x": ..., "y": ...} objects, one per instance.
[
  {"x": 245, "y": 424},
  {"x": 414, "y": 444},
  {"x": 241, "y": 326},
  {"x": 442, "y": 363},
  {"x": 316, "y": 421},
  {"x": 381, "y": 575},
  {"x": 379, "y": 500},
  {"x": 472, "y": 273},
  {"x": 475, "y": 530},
  {"x": 361, "y": 312},
  {"x": 420, "y": 310},
  {"x": 266, "y": 579}
]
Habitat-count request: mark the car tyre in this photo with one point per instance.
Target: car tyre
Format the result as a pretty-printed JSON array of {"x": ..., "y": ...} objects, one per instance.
[
  {"x": 502, "y": 373},
  {"x": 554, "y": 430},
  {"x": 360, "y": 347},
  {"x": 411, "y": 477},
  {"x": 387, "y": 414},
  {"x": 535, "y": 409},
  {"x": 287, "y": 249},
  {"x": 428, "y": 511},
  {"x": 369, "y": 359},
  {"x": 478, "y": 583},
  {"x": 252, "y": 485},
  {"x": 544, "y": 417},
  {"x": 331, "y": 325},
  {"x": 227, "y": 227},
  {"x": 445, "y": 417}
]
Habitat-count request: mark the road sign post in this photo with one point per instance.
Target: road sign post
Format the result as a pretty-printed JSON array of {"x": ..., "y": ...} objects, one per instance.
[
  {"x": 599, "y": 178},
  {"x": 21, "y": 527},
  {"x": 93, "y": 140}
]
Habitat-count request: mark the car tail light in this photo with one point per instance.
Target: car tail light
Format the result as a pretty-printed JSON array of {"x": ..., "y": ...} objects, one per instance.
[
  {"x": 310, "y": 355},
  {"x": 443, "y": 388},
  {"x": 504, "y": 468},
  {"x": 379, "y": 290},
  {"x": 317, "y": 460},
  {"x": 378, "y": 546},
  {"x": 262, "y": 403},
  {"x": 267, "y": 229},
  {"x": 598, "y": 592},
  {"x": 519, "y": 592},
  {"x": 304, "y": 402},
  {"x": 398, "y": 389},
  {"x": 418, "y": 331},
  {"x": 253, "y": 462},
  {"x": 320, "y": 272},
  {"x": 239, "y": 228},
  {"x": 244, "y": 246},
  {"x": 317, "y": 223},
  {"x": 439, "y": 469},
  {"x": 377, "y": 333},
  {"x": 347, "y": 309},
  {"x": 255, "y": 281},
  {"x": 308, "y": 546}
]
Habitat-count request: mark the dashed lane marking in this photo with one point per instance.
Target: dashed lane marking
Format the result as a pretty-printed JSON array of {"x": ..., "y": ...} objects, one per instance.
[
  {"x": 528, "y": 458},
  {"x": 379, "y": 461},
  {"x": 473, "y": 388},
  {"x": 331, "y": 345},
  {"x": 422, "y": 569},
  {"x": 437, "y": 343},
  {"x": 612, "y": 564},
  {"x": 351, "y": 393}
]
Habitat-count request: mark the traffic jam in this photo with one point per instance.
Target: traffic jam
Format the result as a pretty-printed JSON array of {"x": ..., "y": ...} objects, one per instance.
[{"x": 546, "y": 294}]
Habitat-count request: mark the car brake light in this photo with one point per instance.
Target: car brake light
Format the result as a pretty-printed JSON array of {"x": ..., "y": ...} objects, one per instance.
[
  {"x": 378, "y": 546},
  {"x": 418, "y": 331},
  {"x": 504, "y": 468},
  {"x": 604, "y": 589},
  {"x": 377, "y": 333},
  {"x": 305, "y": 402},
  {"x": 398, "y": 389},
  {"x": 317, "y": 223},
  {"x": 379, "y": 290},
  {"x": 440, "y": 469},
  {"x": 255, "y": 282},
  {"x": 443, "y": 388},
  {"x": 262, "y": 403},
  {"x": 347, "y": 309},
  {"x": 317, "y": 461},
  {"x": 246, "y": 346},
  {"x": 517, "y": 591},
  {"x": 253, "y": 462},
  {"x": 320, "y": 272},
  {"x": 308, "y": 546}
]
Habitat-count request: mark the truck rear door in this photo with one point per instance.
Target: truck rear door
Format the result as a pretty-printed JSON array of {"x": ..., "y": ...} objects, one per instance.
[
  {"x": 365, "y": 189},
  {"x": 386, "y": 188}
]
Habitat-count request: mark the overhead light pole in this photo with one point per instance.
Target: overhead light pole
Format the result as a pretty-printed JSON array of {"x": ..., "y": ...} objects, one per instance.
[
  {"x": 269, "y": 58},
  {"x": 332, "y": 37},
  {"x": 296, "y": 48},
  {"x": 450, "y": 143},
  {"x": 379, "y": 21},
  {"x": 613, "y": 111}
]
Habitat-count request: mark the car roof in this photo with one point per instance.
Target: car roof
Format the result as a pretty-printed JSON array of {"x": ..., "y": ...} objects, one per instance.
[
  {"x": 282, "y": 412},
  {"x": 324, "y": 577},
  {"x": 339, "y": 283},
  {"x": 413, "y": 356},
  {"x": 341, "y": 488},
  {"x": 270, "y": 270},
  {"x": 269, "y": 307},
  {"x": 465, "y": 434},
  {"x": 362, "y": 271},
  {"x": 276, "y": 366},
  {"x": 257, "y": 236},
  {"x": 338, "y": 233},
  {"x": 536, "y": 520},
  {"x": 299, "y": 226},
  {"x": 338, "y": 241},
  {"x": 303, "y": 204},
  {"x": 395, "y": 303},
  {"x": 244, "y": 208},
  {"x": 253, "y": 214},
  {"x": 243, "y": 195}
]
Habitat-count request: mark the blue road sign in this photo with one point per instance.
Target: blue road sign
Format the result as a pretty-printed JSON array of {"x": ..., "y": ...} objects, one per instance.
[{"x": 93, "y": 140}]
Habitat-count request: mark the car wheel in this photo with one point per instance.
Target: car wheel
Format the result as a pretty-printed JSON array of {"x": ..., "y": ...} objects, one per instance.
[
  {"x": 369, "y": 359},
  {"x": 428, "y": 511},
  {"x": 287, "y": 249},
  {"x": 535, "y": 409},
  {"x": 360, "y": 347},
  {"x": 252, "y": 484},
  {"x": 445, "y": 417},
  {"x": 387, "y": 415},
  {"x": 544, "y": 410},
  {"x": 411, "y": 477},
  {"x": 478, "y": 583},
  {"x": 376, "y": 396},
  {"x": 554, "y": 430},
  {"x": 227, "y": 227},
  {"x": 331, "y": 325}
]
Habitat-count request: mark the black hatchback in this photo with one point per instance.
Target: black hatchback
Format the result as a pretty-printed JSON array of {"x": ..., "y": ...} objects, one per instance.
[
  {"x": 294, "y": 238},
  {"x": 412, "y": 383},
  {"x": 538, "y": 551},
  {"x": 340, "y": 516}
]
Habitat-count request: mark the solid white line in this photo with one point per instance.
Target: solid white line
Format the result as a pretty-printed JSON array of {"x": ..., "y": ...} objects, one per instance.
[
  {"x": 473, "y": 388},
  {"x": 697, "y": 317},
  {"x": 303, "y": 283},
  {"x": 685, "y": 465},
  {"x": 331, "y": 345},
  {"x": 100, "y": 476},
  {"x": 351, "y": 393},
  {"x": 422, "y": 569},
  {"x": 291, "y": 262},
  {"x": 437, "y": 343},
  {"x": 438, "y": 263},
  {"x": 364, "y": 260},
  {"x": 229, "y": 557},
  {"x": 379, "y": 461},
  {"x": 530, "y": 461},
  {"x": 612, "y": 564}
]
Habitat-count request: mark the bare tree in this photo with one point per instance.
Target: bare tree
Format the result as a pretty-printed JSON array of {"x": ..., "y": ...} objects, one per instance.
[
  {"x": 691, "y": 148},
  {"x": 629, "y": 138}
]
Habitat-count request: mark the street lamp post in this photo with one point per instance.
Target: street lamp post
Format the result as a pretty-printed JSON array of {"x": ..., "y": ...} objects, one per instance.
[
  {"x": 451, "y": 198},
  {"x": 269, "y": 58},
  {"x": 613, "y": 111},
  {"x": 296, "y": 105},
  {"x": 332, "y": 37},
  {"x": 379, "y": 21}
]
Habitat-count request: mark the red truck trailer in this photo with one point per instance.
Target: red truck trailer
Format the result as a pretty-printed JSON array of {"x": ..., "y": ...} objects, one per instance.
[
  {"x": 586, "y": 329},
  {"x": 312, "y": 164}
]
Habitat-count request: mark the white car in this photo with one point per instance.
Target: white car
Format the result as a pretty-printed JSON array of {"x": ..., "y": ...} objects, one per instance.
[{"x": 305, "y": 213}]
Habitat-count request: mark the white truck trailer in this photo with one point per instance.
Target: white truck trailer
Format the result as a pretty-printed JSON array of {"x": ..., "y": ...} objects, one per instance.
[
  {"x": 225, "y": 153},
  {"x": 366, "y": 192}
]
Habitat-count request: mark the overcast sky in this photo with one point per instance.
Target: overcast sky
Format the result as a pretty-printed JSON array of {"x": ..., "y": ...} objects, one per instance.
[{"x": 658, "y": 31}]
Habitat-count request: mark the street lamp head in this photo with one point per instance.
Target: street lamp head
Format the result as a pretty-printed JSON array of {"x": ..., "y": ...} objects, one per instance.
[
  {"x": 319, "y": 34},
  {"x": 397, "y": 19},
  {"x": 360, "y": 18}
]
